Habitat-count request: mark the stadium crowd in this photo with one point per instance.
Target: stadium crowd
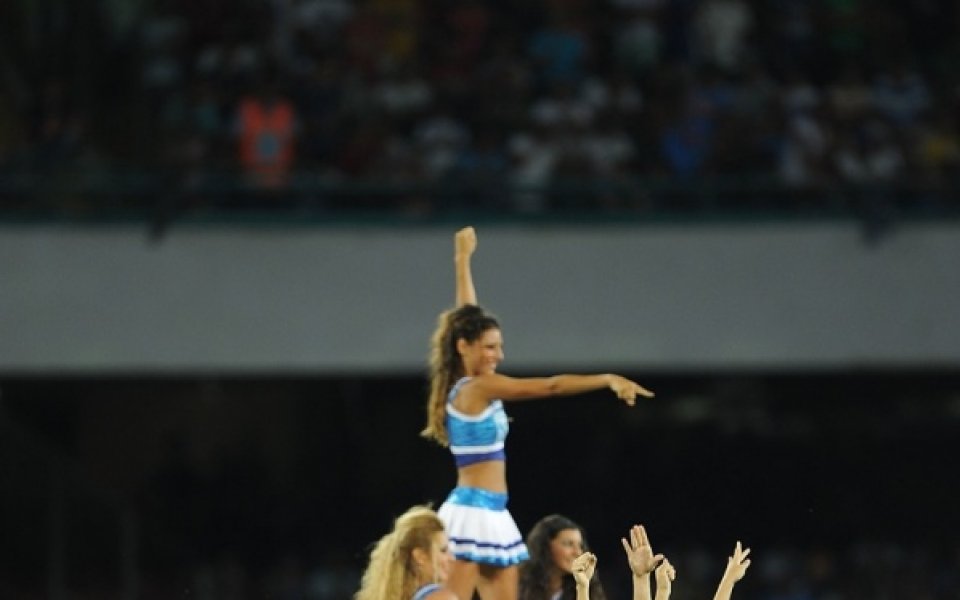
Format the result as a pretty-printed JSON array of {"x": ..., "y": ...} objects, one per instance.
[{"x": 516, "y": 107}]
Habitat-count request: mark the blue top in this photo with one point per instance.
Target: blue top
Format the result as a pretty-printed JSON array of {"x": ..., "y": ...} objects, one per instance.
[
  {"x": 425, "y": 591},
  {"x": 476, "y": 438}
]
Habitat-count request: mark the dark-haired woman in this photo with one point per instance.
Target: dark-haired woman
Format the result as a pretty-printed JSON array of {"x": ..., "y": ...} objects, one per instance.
[
  {"x": 465, "y": 413},
  {"x": 554, "y": 544}
]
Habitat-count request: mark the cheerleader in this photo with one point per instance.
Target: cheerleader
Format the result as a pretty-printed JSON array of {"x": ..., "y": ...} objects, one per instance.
[
  {"x": 411, "y": 562},
  {"x": 465, "y": 413}
]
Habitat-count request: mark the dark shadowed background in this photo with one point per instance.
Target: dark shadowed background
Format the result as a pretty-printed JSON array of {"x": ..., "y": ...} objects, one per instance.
[{"x": 212, "y": 330}]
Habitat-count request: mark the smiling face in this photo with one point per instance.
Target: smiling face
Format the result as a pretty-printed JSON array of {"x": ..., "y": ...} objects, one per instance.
[
  {"x": 565, "y": 547},
  {"x": 435, "y": 565},
  {"x": 481, "y": 356},
  {"x": 441, "y": 557}
]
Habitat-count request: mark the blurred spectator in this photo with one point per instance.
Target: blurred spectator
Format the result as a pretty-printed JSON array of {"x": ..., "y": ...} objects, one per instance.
[
  {"x": 321, "y": 20},
  {"x": 559, "y": 50},
  {"x": 561, "y": 107},
  {"x": 616, "y": 93},
  {"x": 850, "y": 96},
  {"x": 534, "y": 154},
  {"x": 806, "y": 149},
  {"x": 799, "y": 95},
  {"x": 162, "y": 75},
  {"x": 396, "y": 89},
  {"x": 808, "y": 136},
  {"x": 440, "y": 137},
  {"x": 722, "y": 27},
  {"x": 900, "y": 93},
  {"x": 686, "y": 142},
  {"x": 870, "y": 155},
  {"x": 686, "y": 147},
  {"x": 267, "y": 136},
  {"x": 402, "y": 93},
  {"x": 639, "y": 41},
  {"x": 792, "y": 43},
  {"x": 870, "y": 161},
  {"x": 938, "y": 148},
  {"x": 609, "y": 149},
  {"x": 480, "y": 172}
]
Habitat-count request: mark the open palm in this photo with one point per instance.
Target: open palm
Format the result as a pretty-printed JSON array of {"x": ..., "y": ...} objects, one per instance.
[{"x": 640, "y": 554}]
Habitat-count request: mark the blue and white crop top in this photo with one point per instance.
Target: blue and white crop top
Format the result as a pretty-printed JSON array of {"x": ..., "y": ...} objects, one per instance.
[
  {"x": 425, "y": 591},
  {"x": 476, "y": 438}
]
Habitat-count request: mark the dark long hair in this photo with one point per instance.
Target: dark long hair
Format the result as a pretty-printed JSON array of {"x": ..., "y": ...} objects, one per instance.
[
  {"x": 467, "y": 322},
  {"x": 535, "y": 573}
]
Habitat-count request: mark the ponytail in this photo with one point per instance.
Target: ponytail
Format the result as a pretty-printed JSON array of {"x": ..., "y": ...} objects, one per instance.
[
  {"x": 444, "y": 361},
  {"x": 384, "y": 573},
  {"x": 446, "y": 366}
]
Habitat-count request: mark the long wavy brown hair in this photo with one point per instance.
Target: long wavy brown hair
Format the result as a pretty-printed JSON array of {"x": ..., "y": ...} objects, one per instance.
[
  {"x": 535, "y": 573},
  {"x": 467, "y": 322}
]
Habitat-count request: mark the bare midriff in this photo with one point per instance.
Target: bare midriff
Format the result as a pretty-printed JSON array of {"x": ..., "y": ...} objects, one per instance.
[{"x": 488, "y": 475}]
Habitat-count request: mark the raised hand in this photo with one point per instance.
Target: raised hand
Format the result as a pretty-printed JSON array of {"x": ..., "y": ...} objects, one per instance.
[
  {"x": 665, "y": 575},
  {"x": 465, "y": 241},
  {"x": 583, "y": 568},
  {"x": 640, "y": 554},
  {"x": 737, "y": 564}
]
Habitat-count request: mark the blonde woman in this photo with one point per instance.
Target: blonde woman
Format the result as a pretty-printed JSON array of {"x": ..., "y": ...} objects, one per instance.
[
  {"x": 412, "y": 562},
  {"x": 465, "y": 413}
]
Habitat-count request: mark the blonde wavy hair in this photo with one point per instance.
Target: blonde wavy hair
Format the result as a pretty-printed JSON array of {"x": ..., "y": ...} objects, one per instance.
[{"x": 392, "y": 573}]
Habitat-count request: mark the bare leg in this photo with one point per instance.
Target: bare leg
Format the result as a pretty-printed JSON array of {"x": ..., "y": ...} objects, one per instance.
[
  {"x": 463, "y": 579},
  {"x": 498, "y": 583}
]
